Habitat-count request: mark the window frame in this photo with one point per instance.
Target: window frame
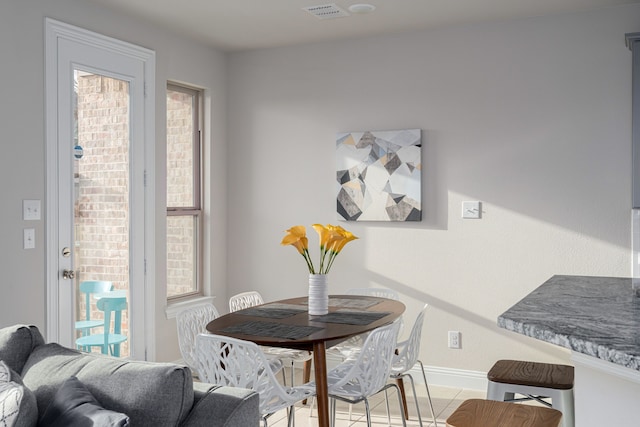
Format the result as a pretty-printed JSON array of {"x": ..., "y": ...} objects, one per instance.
[{"x": 195, "y": 211}]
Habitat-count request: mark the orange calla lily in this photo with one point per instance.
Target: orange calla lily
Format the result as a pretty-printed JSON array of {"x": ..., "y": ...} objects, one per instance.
[
  {"x": 323, "y": 233},
  {"x": 332, "y": 240},
  {"x": 347, "y": 237},
  {"x": 297, "y": 237}
]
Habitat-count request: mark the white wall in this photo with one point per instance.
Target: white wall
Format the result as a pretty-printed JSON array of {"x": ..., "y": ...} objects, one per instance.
[
  {"x": 22, "y": 161},
  {"x": 531, "y": 117}
]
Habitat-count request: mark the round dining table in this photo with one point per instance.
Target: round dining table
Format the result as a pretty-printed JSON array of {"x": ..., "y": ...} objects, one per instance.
[{"x": 287, "y": 323}]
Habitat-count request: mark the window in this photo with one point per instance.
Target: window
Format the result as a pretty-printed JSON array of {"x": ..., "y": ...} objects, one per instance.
[{"x": 184, "y": 214}]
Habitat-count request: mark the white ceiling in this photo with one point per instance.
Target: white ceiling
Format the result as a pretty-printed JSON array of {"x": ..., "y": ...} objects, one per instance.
[{"x": 236, "y": 25}]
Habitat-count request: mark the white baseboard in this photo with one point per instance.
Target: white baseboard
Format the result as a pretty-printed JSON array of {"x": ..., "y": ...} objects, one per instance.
[{"x": 450, "y": 377}]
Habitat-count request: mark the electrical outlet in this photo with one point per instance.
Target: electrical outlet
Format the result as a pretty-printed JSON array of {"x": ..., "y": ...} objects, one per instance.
[
  {"x": 454, "y": 339},
  {"x": 29, "y": 235}
]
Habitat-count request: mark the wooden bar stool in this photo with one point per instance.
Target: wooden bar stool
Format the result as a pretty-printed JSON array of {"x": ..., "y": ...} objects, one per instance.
[
  {"x": 489, "y": 413},
  {"x": 535, "y": 381}
]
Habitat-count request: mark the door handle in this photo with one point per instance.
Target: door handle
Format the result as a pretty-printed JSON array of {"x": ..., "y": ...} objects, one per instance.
[{"x": 68, "y": 274}]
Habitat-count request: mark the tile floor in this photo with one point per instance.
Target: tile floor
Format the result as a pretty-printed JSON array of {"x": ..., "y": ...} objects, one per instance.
[{"x": 445, "y": 401}]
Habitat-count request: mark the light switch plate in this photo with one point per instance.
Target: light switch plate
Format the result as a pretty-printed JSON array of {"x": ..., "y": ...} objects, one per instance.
[
  {"x": 31, "y": 210},
  {"x": 471, "y": 210}
]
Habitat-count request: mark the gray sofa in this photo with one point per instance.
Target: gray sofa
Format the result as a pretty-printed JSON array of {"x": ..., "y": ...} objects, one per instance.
[{"x": 150, "y": 394}]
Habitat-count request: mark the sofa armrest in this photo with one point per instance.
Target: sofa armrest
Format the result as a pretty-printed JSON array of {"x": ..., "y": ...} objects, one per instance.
[
  {"x": 16, "y": 344},
  {"x": 218, "y": 406}
]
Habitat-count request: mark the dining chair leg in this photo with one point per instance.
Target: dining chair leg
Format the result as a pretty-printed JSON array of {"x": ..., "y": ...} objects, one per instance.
[
  {"x": 284, "y": 383},
  {"x": 400, "y": 384},
  {"x": 332, "y": 412},
  {"x": 415, "y": 396},
  {"x": 402, "y": 416},
  {"x": 386, "y": 401},
  {"x": 307, "y": 370},
  {"x": 306, "y": 374},
  {"x": 426, "y": 384},
  {"x": 291, "y": 417},
  {"x": 368, "y": 412}
]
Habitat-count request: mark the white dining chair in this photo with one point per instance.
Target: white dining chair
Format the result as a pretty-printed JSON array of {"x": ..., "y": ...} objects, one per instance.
[
  {"x": 288, "y": 356},
  {"x": 357, "y": 379},
  {"x": 352, "y": 345},
  {"x": 238, "y": 363},
  {"x": 405, "y": 358},
  {"x": 191, "y": 322},
  {"x": 245, "y": 300}
]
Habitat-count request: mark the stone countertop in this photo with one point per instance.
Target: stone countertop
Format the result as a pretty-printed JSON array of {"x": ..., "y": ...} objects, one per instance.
[{"x": 596, "y": 316}]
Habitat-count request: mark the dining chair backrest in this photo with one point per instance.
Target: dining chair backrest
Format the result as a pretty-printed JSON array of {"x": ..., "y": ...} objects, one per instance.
[
  {"x": 237, "y": 363},
  {"x": 191, "y": 322},
  {"x": 89, "y": 287},
  {"x": 405, "y": 357},
  {"x": 112, "y": 305},
  {"x": 375, "y": 292},
  {"x": 372, "y": 292},
  {"x": 370, "y": 371},
  {"x": 245, "y": 300},
  {"x": 409, "y": 352}
]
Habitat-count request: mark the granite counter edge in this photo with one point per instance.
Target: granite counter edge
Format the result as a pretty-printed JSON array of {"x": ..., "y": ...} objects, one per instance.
[{"x": 572, "y": 343}]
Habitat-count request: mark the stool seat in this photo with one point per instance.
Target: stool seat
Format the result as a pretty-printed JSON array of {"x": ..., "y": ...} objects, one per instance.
[
  {"x": 490, "y": 413},
  {"x": 534, "y": 380},
  {"x": 535, "y": 374}
]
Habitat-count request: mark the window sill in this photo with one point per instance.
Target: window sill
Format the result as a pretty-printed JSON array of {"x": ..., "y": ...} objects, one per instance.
[{"x": 173, "y": 308}]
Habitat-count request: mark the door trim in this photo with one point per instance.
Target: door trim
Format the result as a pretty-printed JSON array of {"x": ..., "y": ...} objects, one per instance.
[{"x": 145, "y": 297}]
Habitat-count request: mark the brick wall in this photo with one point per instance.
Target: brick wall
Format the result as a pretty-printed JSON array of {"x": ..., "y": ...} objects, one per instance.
[
  {"x": 102, "y": 190},
  {"x": 180, "y": 193},
  {"x": 102, "y": 187}
]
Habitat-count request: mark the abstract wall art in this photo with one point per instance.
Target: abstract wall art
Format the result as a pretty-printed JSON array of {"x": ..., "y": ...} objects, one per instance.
[{"x": 379, "y": 175}]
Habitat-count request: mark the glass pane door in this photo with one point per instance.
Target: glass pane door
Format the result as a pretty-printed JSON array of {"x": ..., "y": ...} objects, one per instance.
[{"x": 101, "y": 211}]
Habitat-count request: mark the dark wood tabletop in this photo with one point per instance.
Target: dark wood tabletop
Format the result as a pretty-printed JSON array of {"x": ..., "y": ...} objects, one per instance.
[
  {"x": 329, "y": 333},
  {"x": 266, "y": 324}
]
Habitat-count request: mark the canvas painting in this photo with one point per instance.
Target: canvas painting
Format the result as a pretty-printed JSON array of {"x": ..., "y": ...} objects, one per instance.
[{"x": 379, "y": 175}]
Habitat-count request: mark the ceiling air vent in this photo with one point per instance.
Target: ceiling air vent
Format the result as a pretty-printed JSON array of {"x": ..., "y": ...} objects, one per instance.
[{"x": 326, "y": 11}]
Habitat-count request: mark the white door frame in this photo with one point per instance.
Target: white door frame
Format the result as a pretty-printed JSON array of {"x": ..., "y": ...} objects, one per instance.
[{"x": 59, "y": 317}]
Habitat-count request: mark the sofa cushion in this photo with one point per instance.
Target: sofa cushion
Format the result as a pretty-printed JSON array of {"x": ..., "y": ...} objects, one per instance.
[
  {"x": 17, "y": 402},
  {"x": 16, "y": 344},
  {"x": 151, "y": 394},
  {"x": 74, "y": 405},
  {"x": 10, "y": 398}
]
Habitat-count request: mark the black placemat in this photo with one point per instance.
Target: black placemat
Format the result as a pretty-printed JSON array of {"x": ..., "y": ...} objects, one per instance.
[
  {"x": 354, "y": 303},
  {"x": 271, "y": 329},
  {"x": 350, "y": 317},
  {"x": 270, "y": 312}
]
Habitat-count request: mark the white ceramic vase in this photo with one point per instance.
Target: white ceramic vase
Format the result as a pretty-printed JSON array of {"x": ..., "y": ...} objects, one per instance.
[{"x": 318, "y": 294}]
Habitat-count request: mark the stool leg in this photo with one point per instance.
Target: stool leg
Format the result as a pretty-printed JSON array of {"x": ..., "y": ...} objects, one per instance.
[
  {"x": 562, "y": 400},
  {"x": 497, "y": 391}
]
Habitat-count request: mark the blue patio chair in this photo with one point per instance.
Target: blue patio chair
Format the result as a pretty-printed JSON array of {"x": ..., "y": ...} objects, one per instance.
[
  {"x": 90, "y": 287},
  {"x": 109, "y": 342}
]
